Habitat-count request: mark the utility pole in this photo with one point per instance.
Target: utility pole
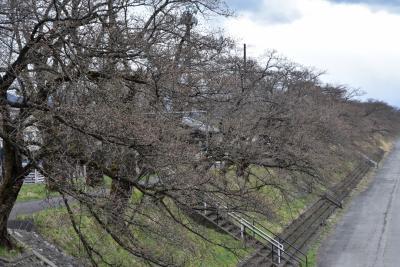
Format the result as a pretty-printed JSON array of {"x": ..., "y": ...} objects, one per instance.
[
  {"x": 244, "y": 58},
  {"x": 244, "y": 72}
]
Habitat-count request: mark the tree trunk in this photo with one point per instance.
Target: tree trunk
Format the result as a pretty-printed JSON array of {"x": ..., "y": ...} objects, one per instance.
[
  {"x": 121, "y": 189},
  {"x": 120, "y": 194},
  {"x": 11, "y": 183},
  {"x": 94, "y": 177},
  {"x": 9, "y": 189}
]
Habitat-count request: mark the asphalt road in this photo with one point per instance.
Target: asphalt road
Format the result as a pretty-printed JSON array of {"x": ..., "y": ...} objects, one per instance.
[
  {"x": 26, "y": 208},
  {"x": 368, "y": 234},
  {"x": 30, "y": 207}
]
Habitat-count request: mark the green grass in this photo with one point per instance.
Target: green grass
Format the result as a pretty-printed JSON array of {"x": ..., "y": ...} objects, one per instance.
[
  {"x": 10, "y": 254},
  {"x": 34, "y": 192},
  {"x": 312, "y": 256},
  {"x": 107, "y": 181},
  {"x": 54, "y": 224}
]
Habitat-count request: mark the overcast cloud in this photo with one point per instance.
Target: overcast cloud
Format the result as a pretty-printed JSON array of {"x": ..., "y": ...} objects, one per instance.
[
  {"x": 357, "y": 44},
  {"x": 371, "y": 2},
  {"x": 388, "y": 5}
]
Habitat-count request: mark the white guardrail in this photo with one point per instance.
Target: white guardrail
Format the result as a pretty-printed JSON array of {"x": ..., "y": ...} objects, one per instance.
[{"x": 245, "y": 224}]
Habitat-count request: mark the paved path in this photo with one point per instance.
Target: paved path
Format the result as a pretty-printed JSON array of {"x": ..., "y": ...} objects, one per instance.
[
  {"x": 26, "y": 208},
  {"x": 30, "y": 207},
  {"x": 369, "y": 232}
]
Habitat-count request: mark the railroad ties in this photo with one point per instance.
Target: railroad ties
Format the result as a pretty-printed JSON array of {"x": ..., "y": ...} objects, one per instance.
[{"x": 302, "y": 230}]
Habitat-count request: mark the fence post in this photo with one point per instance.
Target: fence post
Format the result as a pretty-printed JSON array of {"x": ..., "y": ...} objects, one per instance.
[
  {"x": 254, "y": 233},
  {"x": 272, "y": 252},
  {"x": 279, "y": 255},
  {"x": 36, "y": 177},
  {"x": 242, "y": 231}
]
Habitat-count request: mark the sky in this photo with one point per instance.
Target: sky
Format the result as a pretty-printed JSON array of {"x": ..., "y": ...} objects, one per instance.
[{"x": 356, "y": 42}]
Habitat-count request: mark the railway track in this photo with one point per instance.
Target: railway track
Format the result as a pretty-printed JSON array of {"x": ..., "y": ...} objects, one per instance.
[
  {"x": 300, "y": 233},
  {"x": 301, "y": 236}
]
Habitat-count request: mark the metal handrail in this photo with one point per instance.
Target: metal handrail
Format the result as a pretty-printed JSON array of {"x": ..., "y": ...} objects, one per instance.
[
  {"x": 256, "y": 230},
  {"x": 290, "y": 245},
  {"x": 267, "y": 237},
  {"x": 244, "y": 223}
]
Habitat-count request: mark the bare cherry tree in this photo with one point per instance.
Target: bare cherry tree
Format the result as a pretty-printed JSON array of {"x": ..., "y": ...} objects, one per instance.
[{"x": 136, "y": 92}]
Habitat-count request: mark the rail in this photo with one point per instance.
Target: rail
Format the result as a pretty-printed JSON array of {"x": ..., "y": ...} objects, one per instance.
[
  {"x": 303, "y": 228},
  {"x": 261, "y": 231},
  {"x": 299, "y": 259},
  {"x": 244, "y": 223}
]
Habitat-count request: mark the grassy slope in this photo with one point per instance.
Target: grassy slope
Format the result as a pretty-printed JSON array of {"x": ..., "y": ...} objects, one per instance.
[{"x": 54, "y": 225}]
